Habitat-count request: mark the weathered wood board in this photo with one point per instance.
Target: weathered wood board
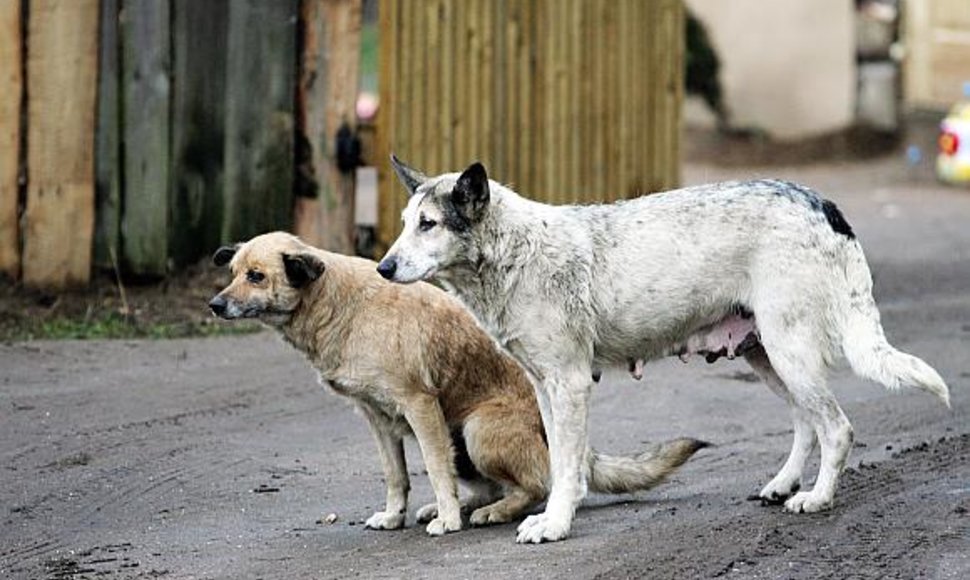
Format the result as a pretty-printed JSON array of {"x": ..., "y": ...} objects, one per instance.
[
  {"x": 260, "y": 88},
  {"x": 146, "y": 84},
  {"x": 326, "y": 100},
  {"x": 107, "y": 159},
  {"x": 62, "y": 57},
  {"x": 11, "y": 68},
  {"x": 198, "y": 128}
]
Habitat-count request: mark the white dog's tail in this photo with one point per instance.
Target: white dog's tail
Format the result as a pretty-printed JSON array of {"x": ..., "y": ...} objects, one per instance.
[
  {"x": 864, "y": 341},
  {"x": 625, "y": 474}
]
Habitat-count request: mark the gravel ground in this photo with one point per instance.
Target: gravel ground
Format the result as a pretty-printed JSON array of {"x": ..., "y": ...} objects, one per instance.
[{"x": 222, "y": 458}]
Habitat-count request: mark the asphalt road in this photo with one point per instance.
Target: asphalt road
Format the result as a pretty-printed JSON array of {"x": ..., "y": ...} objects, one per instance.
[{"x": 221, "y": 458}]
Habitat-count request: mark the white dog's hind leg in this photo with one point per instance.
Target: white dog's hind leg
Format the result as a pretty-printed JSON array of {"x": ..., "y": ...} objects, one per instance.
[
  {"x": 568, "y": 451},
  {"x": 789, "y": 479},
  {"x": 835, "y": 436},
  {"x": 797, "y": 360}
]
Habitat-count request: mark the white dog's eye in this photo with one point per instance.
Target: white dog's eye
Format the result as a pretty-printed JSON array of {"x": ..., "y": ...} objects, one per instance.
[
  {"x": 255, "y": 277},
  {"x": 424, "y": 224}
]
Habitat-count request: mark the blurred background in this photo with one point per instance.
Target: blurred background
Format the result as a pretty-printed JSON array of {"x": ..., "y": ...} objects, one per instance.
[{"x": 136, "y": 136}]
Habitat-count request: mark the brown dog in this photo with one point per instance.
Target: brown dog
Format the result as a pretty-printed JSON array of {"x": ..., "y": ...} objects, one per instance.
[{"x": 415, "y": 361}]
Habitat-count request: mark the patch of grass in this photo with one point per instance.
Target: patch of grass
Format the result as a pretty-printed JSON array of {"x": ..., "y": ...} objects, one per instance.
[{"x": 113, "y": 326}]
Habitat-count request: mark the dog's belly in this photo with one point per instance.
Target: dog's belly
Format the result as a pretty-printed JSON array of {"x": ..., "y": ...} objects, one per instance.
[{"x": 730, "y": 336}]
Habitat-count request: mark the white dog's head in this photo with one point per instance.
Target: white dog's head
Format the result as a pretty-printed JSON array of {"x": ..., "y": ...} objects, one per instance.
[{"x": 439, "y": 219}]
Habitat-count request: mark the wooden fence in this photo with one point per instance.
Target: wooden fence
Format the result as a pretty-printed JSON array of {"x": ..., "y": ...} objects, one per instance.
[
  {"x": 566, "y": 100},
  {"x": 141, "y": 134}
]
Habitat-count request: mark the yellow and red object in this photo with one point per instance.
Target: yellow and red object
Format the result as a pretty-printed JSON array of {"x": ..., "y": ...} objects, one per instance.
[{"x": 953, "y": 159}]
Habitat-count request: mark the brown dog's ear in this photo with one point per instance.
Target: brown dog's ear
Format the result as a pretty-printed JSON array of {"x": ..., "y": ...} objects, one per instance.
[
  {"x": 301, "y": 269},
  {"x": 224, "y": 255}
]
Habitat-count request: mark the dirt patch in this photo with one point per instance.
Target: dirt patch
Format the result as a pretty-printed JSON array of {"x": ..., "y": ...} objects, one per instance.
[
  {"x": 169, "y": 308},
  {"x": 882, "y": 527}
]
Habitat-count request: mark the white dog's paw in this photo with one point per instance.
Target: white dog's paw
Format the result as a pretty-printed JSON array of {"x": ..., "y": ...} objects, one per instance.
[
  {"x": 807, "y": 502},
  {"x": 530, "y": 521},
  {"x": 776, "y": 492},
  {"x": 441, "y": 526},
  {"x": 542, "y": 528},
  {"x": 385, "y": 521},
  {"x": 426, "y": 513}
]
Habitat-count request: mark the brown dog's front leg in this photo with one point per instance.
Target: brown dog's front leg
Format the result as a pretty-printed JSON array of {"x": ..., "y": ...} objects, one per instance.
[
  {"x": 391, "y": 448},
  {"x": 427, "y": 421}
]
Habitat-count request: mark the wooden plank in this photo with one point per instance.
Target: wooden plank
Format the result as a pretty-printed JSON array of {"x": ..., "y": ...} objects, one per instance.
[
  {"x": 461, "y": 74},
  {"x": 199, "y": 44},
  {"x": 673, "y": 114},
  {"x": 574, "y": 104},
  {"x": 62, "y": 57},
  {"x": 508, "y": 68},
  {"x": 446, "y": 118},
  {"x": 558, "y": 99},
  {"x": 416, "y": 82},
  {"x": 107, "y": 157},
  {"x": 602, "y": 181},
  {"x": 549, "y": 120},
  {"x": 484, "y": 107},
  {"x": 587, "y": 98},
  {"x": 11, "y": 68},
  {"x": 146, "y": 78},
  {"x": 632, "y": 105},
  {"x": 327, "y": 96},
  {"x": 389, "y": 192},
  {"x": 260, "y": 82},
  {"x": 523, "y": 88},
  {"x": 646, "y": 90},
  {"x": 432, "y": 82}
]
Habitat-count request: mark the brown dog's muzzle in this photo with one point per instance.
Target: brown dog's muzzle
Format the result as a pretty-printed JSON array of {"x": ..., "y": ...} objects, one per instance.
[{"x": 218, "y": 305}]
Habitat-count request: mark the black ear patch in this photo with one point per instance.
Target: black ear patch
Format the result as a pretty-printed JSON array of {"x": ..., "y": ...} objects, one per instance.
[
  {"x": 410, "y": 177},
  {"x": 301, "y": 269},
  {"x": 224, "y": 255},
  {"x": 471, "y": 194}
]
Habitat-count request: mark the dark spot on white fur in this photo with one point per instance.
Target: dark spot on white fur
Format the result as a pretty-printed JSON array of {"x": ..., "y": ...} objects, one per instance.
[
  {"x": 801, "y": 194},
  {"x": 837, "y": 220}
]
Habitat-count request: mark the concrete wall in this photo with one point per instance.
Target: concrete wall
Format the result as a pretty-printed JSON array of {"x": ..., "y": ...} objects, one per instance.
[{"x": 787, "y": 66}]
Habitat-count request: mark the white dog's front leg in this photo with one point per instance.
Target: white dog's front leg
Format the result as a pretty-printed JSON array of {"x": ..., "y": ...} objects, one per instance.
[{"x": 568, "y": 397}]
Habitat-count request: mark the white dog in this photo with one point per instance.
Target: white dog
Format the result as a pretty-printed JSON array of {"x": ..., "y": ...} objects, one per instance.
[{"x": 764, "y": 269}]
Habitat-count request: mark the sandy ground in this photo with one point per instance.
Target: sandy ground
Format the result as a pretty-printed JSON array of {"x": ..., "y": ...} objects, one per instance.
[{"x": 221, "y": 457}]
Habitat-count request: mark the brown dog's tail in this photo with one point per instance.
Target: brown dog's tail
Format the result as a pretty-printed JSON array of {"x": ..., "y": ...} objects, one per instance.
[{"x": 629, "y": 473}]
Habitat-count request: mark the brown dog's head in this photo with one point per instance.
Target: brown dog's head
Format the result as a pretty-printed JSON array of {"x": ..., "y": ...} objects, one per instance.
[{"x": 270, "y": 274}]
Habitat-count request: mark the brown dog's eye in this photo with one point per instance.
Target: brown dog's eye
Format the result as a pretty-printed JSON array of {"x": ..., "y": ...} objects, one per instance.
[{"x": 255, "y": 277}]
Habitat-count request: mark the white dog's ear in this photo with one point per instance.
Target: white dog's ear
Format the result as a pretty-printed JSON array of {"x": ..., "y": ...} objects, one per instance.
[
  {"x": 471, "y": 193},
  {"x": 301, "y": 269},
  {"x": 410, "y": 177}
]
